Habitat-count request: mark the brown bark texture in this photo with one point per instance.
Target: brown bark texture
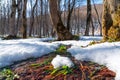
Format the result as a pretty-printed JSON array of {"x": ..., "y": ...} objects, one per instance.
[
  {"x": 12, "y": 18},
  {"x": 61, "y": 30},
  {"x": 88, "y": 17},
  {"x": 24, "y": 20},
  {"x": 111, "y": 20}
]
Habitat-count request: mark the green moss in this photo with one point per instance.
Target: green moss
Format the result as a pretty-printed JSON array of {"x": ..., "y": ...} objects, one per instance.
[
  {"x": 76, "y": 37},
  {"x": 114, "y": 34},
  {"x": 62, "y": 49},
  {"x": 92, "y": 43},
  {"x": 114, "y": 31},
  {"x": 116, "y": 16},
  {"x": 7, "y": 74}
]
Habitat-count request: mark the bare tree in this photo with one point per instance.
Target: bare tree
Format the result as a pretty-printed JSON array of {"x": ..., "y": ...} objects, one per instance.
[
  {"x": 61, "y": 30},
  {"x": 88, "y": 17},
  {"x": 70, "y": 10},
  {"x": 24, "y": 19},
  {"x": 12, "y": 18},
  {"x": 32, "y": 18},
  {"x": 98, "y": 17},
  {"x": 19, "y": 10}
]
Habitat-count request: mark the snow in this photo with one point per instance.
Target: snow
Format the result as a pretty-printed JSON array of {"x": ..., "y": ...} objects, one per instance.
[
  {"x": 60, "y": 61},
  {"x": 107, "y": 54},
  {"x": 84, "y": 40},
  {"x": 16, "y": 50}
]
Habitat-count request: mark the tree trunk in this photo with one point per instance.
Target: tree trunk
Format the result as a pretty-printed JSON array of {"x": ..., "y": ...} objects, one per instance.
[
  {"x": 98, "y": 17},
  {"x": 12, "y": 18},
  {"x": 88, "y": 17},
  {"x": 111, "y": 20},
  {"x": 61, "y": 30},
  {"x": 92, "y": 27},
  {"x": 107, "y": 20},
  {"x": 32, "y": 19},
  {"x": 24, "y": 20},
  {"x": 70, "y": 10},
  {"x": 19, "y": 9}
]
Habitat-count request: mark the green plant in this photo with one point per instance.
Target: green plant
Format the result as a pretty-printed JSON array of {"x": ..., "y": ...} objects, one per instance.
[
  {"x": 55, "y": 71},
  {"x": 46, "y": 62},
  {"x": 8, "y": 74},
  {"x": 63, "y": 70},
  {"x": 66, "y": 70},
  {"x": 62, "y": 49}
]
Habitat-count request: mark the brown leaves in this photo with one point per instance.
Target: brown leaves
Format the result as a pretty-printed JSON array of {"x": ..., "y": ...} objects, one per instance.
[{"x": 107, "y": 73}]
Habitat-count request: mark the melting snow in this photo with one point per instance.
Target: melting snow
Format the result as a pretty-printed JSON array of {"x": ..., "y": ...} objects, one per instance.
[
  {"x": 106, "y": 53},
  {"x": 16, "y": 50},
  {"x": 60, "y": 61}
]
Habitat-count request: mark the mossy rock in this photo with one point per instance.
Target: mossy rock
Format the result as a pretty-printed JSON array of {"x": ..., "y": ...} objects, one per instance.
[{"x": 114, "y": 33}]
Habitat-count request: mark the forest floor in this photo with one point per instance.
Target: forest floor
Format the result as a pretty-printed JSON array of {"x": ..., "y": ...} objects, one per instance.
[
  {"x": 41, "y": 69},
  {"x": 31, "y": 59}
]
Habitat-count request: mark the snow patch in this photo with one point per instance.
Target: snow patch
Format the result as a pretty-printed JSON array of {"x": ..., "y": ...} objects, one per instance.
[
  {"x": 84, "y": 41},
  {"x": 60, "y": 61},
  {"x": 107, "y": 54},
  {"x": 17, "y": 50}
]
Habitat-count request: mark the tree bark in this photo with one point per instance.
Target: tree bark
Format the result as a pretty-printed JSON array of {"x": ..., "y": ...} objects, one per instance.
[
  {"x": 92, "y": 27},
  {"x": 111, "y": 20},
  {"x": 19, "y": 10},
  {"x": 61, "y": 30},
  {"x": 24, "y": 19},
  {"x": 107, "y": 19},
  {"x": 88, "y": 17},
  {"x": 32, "y": 18},
  {"x": 12, "y": 18},
  {"x": 70, "y": 10}
]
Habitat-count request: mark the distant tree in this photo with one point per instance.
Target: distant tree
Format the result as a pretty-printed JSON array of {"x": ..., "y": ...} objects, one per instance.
[
  {"x": 12, "y": 19},
  {"x": 98, "y": 17},
  {"x": 32, "y": 18},
  {"x": 62, "y": 32},
  {"x": 70, "y": 10},
  {"x": 0, "y": 16},
  {"x": 19, "y": 11},
  {"x": 88, "y": 20},
  {"x": 24, "y": 20}
]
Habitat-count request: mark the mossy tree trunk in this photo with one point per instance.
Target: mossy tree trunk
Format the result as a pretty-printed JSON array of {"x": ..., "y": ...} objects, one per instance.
[
  {"x": 62, "y": 32},
  {"x": 111, "y": 20}
]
